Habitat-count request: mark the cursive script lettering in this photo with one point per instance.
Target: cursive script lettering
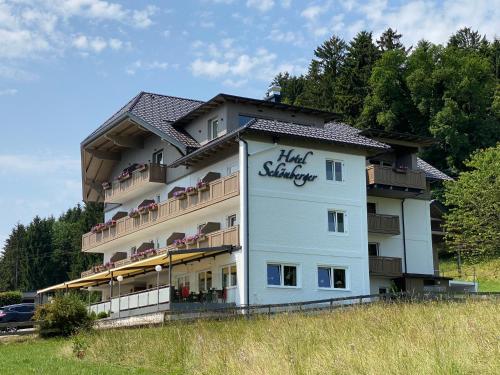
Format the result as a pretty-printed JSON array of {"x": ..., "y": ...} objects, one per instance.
[{"x": 280, "y": 171}]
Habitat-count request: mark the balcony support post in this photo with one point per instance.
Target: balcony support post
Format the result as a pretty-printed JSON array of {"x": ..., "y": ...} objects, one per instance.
[{"x": 403, "y": 230}]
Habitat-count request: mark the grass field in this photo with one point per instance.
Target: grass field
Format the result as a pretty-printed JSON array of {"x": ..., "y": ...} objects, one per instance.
[
  {"x": 418, "y": 338},
  {"x": 487, "y": 273}
]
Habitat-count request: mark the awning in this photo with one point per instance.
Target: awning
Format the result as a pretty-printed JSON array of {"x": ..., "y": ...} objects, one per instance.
[{"x": 136, "y": 268}]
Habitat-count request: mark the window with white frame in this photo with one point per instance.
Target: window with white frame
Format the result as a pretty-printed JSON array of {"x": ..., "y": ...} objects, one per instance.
[
  {"x": 213, "y": 128},
  {"x": 231, "y": 220},
  {"x": 285, "y": 275},
  {"x": 158, "y": 157},
  {"x": 332, "y": 277},
  {"x": 229, "y": 276},
  {"x": 336, "y": 221},
  {"x": 334, "y": 170},
  {"x": 205, "y": 280},
  {"x": 183, "y": 281}
]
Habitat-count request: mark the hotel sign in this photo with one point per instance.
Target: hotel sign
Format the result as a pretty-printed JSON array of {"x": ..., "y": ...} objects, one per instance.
[{"x": 288, "y": 166}]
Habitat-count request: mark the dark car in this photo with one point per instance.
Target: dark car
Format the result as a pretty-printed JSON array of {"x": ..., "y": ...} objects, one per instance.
[{"x": 22, "y": 312}]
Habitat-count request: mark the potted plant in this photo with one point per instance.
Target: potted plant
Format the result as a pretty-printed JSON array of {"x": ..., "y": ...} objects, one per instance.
[
  {"x": 202, "y": 186},
  {"x": 134, "y": 213},
  {"x": 143, "y": 209},
  {"x": 180, "y": 194},
  {"x": 191, "y": 190},
  {"x": 106, "y": 185},
  {"x": 109, "y": 265}
]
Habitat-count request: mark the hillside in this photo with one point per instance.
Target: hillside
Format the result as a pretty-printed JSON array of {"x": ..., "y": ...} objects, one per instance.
[
  {"x": 487, "y": 273},
  {"x": 418, "y": 338}
]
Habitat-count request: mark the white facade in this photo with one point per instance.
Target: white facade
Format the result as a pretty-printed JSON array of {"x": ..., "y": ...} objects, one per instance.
[{"x": 299, "y": 239}]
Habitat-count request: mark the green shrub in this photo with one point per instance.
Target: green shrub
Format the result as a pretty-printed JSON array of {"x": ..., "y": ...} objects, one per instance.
[
  {"x": 63, "y": 316},
  {"x": 102, "y": 315},
  {"x": 10, "y": 298}
]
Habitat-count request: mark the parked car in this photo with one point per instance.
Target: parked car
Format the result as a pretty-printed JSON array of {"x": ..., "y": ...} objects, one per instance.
[{"x": 22, "y": 312}]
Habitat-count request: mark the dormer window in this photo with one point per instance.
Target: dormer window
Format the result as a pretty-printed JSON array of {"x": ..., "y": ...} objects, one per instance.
[{"x": 213, "y": 128}]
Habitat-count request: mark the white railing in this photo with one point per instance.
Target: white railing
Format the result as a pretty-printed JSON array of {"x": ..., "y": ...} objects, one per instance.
[{"x": 133, "y": 300}]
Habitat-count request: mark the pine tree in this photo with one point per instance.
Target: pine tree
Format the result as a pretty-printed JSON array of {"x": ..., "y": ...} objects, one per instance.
[
  {"x": 390, "y": 40},
  {"x": 354, "y": 81}
]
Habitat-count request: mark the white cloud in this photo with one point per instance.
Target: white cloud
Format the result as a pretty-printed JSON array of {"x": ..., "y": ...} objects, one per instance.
[
  {"x": 8, "y": 92},
  {"x": 142, "y": 18},
  {"x": 115, "y": 44},
  {"x": 291, "y": 37},
  {"x": 40, "y": 164},
  {"x": 261, "y": 5},
  {"x": 96, "y": 44},
  {"x": 141, "y": 65},
  {"x": 210, "y": 68},
  {"x": 311, "y": 13},
  {"x": 15, "y": 73},
  {"x": 286, "y": 3}
]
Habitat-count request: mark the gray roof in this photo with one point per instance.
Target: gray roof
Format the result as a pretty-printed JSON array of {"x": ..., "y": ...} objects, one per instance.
[
  {"x": 159, "y": 111},
  {"x": 431, "y": 172},
  {"x": 340, "y": 133}
]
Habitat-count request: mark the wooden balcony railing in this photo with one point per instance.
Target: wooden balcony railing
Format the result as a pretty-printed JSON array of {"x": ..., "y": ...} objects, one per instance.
[
  {"x": 385, "y": 224},
  {"x": 120, "y": 190},
  {"x": 385, "y": 266},
  {"x": 385, "y": 175},
  {"x": 229, "y": 236},
  {"x": 218, "y": 191}
]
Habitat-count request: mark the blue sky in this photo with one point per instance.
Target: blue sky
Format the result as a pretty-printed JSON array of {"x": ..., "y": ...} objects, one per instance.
[{"x": 66, "y": 65}]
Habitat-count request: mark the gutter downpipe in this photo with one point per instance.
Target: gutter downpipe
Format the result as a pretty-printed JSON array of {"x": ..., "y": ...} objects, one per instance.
[
  {"x": 404, "y": 235},
  {"x": 245, "y": 214}
]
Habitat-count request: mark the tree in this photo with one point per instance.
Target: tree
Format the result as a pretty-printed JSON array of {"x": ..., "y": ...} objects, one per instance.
[
  {"x": 467, "y": 39},
  {"x": 390, "y": 40},
  {"x": 389, "y": 105},
  {"x": 473, "y": 221},
  {"x": 354, "y": 80},
  {"x": 292, "y": 87}
]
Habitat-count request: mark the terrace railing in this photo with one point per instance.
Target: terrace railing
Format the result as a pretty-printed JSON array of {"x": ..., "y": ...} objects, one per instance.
[
  {"x": 217, "y": 191},
  {"x": 385, "y": 224},
  {"x": 121, "y": 190},
  {"x": 385, "y": 266},
  {"x": 388, "y": 176}
]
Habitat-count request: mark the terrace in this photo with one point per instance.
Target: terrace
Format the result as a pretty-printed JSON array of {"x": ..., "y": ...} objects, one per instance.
[{"x": 181, "y": 201}]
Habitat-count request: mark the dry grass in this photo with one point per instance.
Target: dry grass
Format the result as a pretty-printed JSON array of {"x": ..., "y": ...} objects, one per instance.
[{"x": 420, "y": 338}]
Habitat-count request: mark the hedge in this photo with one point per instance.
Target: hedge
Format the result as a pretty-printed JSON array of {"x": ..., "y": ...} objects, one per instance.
[{"x": 10, "y": 298}]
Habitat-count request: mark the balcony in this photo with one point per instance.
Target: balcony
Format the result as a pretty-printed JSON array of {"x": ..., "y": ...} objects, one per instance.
[
  {"x": 215, "y": 192},
  {"x": 388, "y": 181},
  {"x": 385, "y": 266},
  {"x": 383, "y": 224},
  {"x": 224, "y": 237},
  {"x": 135, "y": 183}
]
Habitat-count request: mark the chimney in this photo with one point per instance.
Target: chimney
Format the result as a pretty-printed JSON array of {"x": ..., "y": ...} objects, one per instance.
[{"x": 274, "y": 94}]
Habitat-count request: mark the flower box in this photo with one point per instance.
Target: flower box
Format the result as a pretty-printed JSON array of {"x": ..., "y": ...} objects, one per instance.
[
  {"x": 134, "y": 213},
  {"x": 109, "y": 265},
  {"x": 106, "y": 185},
  {"x": 98, "y": 228},
  {"x": 202, "y": 186},
  {"x": 191, "y": 190},
  {"x": 191, "y": 240},
  {"x": 110, "y": 223},
  {"x": 181, "y": 194},
  {"x": 124, "y": 176},
  {"x": 141, "y": 167},
  {"x": 180, "y": 243},
  {"x": 152, "y": 207},
  {"x": 143, "y": 210}
]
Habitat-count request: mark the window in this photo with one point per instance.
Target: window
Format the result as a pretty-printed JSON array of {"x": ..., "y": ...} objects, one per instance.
[
  {"x": 158, "y": 157},
  {"x": 332, "y": 277},
  {"x": 213, "y": 128},
  {"x": 373, "y": 249},
  {"x": 243, "y": 120},
  {"x": 334, "y": 170},
  {"x": 183, "y": 281},
  {"x": 336, "y": 221},
  {"x": 282, "y": 275},
  {"x": 205, "y": 280},
  {"x": 229, "y": 277},
  {"x": 231, "y": 220},
  {"x": 382, "y": 290},
  {"x": 371, "y": 208}
]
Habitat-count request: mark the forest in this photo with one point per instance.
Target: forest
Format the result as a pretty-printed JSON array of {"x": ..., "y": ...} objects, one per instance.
[{"x": 450, "y": 92}]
